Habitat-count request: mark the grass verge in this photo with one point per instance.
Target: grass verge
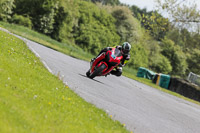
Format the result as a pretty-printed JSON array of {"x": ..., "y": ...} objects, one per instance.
[
  {"x": 32, "y": 100},
  {"x": 76, "y": 52}
]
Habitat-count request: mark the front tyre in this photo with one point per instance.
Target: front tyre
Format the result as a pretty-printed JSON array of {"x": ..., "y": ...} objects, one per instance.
[
  {"x": 88, "y": 73},
  {"x": 97, "y": 71}
]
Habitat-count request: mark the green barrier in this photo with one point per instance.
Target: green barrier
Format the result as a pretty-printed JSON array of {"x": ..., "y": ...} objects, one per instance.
[
  {"x": 160, "y": 79},
  {"x": 164, "y": 81},
  {"x": 145, "y": 73}
]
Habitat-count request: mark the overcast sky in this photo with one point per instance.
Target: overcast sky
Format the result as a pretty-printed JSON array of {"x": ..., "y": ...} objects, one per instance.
[{"x": 149, "y": 4}]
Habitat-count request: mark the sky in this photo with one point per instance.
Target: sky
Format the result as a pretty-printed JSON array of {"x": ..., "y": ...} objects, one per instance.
[{"x": 149, "y": 4}]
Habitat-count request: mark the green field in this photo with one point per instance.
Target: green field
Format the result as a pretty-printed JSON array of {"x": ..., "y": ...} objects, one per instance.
[{"x": 32, "y": 100}]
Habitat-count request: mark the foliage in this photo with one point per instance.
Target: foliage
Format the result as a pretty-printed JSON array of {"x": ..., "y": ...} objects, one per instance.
[
  {"x": 139, "y": 56},
  {"x": 176, "y": 57},
  {"x": 127, "y": 26},
  {"x": 190, "y": 43},
  {"x": 42, "y": 13},
  {"x": 185, "y": 39},
  {"x": 95, "y": 29},
  {"x": 66, "y": 21},
  {"x": 158, "y": 62},
  {"x": 152, "y": 21},
  {"x": 157, "y": 25},
  {"x": 161, "y": 64},
  {"x": 137, "y": 12},
  {"x": 195, "y": 41},
  {"x": 194, "y": 61},
  {"x": 6, "y": 9},
  {"x": 106, "y": 2},
  {"x": 182, "y": 13},
  {"x": 21, "y": 20},
  {"x": 46, "y": 22}
]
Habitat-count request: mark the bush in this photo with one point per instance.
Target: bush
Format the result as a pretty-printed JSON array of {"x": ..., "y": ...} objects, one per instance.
[
  {"x": 176, "y": 56},
  {"x": 128, "y": 27},
  {"x": 139, "y": 56},
  {"x": 194, "y": 61},
  {"x": 46, "y": 22},
  {"x": 21, "y": 20},
  {"x": 161, "y": 65},
  {"x": 95, "y": 29}
]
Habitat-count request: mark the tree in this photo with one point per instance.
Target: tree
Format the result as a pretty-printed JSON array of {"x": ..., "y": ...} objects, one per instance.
[
  {"x": 95, "y": 29},
  {"x": 161, "y": 64},
  {"x": 139, "y": 56},
  {"x": 196, "y": 41},
  {"x": 157, "y": 25},
  {"x": 152, "y": 21},
  {"x": 182, "y": 13},
  {"x": 128, "y": 27},
  {"x": 185, "y": 39},
  {"x": 158, "y": 62},
  {"x": 176, "y": 57},
  {"x": 106, "y": 2},
  {"x": 194, "y": 61},
  {"x": 41, "y": 12}
]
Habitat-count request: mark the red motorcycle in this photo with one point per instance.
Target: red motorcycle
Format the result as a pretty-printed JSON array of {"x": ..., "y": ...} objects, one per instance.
[{"x": 105, "y": 63}]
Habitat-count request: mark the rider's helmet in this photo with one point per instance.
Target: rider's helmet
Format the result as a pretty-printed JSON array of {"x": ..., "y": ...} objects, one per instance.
[{"x": 126, "y": 47}]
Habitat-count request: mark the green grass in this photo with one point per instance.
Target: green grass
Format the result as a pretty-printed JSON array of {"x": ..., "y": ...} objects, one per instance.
[
  {"x": 32, "y": 100},
  {"x": 76, "y": 52}
]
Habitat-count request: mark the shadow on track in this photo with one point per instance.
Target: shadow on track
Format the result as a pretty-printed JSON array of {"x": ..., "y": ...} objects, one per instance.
[{"x": 92, "y": 79}]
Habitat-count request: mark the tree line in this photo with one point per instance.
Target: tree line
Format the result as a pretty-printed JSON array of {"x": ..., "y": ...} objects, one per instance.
[{"x": 94, "y": 24}]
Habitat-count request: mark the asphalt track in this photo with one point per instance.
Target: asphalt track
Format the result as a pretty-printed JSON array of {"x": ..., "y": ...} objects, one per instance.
[{"x": 141, "y": 108}]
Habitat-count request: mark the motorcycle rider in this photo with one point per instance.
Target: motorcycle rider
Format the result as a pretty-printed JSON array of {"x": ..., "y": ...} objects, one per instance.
[{"x": 125, "y": 51}]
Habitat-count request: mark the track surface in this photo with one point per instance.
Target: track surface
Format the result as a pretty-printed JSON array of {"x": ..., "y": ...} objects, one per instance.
[{"x": 141, "y": 108}]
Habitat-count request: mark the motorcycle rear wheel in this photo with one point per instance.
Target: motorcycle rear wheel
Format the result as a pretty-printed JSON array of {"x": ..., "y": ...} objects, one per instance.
[{"x": 97, "y": 71}]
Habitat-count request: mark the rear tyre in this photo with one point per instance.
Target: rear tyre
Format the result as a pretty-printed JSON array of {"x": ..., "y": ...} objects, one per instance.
[{"x": 97, "y": 71}]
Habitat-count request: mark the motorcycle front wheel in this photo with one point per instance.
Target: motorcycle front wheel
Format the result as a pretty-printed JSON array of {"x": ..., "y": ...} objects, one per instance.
[{"x": 97, "y": 71}]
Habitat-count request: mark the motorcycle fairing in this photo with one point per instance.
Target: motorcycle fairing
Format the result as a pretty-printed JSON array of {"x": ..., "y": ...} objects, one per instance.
[{"x": 111, "y": 59}]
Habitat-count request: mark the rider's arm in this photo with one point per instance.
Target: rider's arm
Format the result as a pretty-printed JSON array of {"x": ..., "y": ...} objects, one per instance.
[
  {"x": 106, "y": 49},
  {"x": 125, "y": 60}
]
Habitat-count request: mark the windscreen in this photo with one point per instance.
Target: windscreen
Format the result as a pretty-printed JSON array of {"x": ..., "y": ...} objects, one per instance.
[{"x": 116, "y": 53}]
